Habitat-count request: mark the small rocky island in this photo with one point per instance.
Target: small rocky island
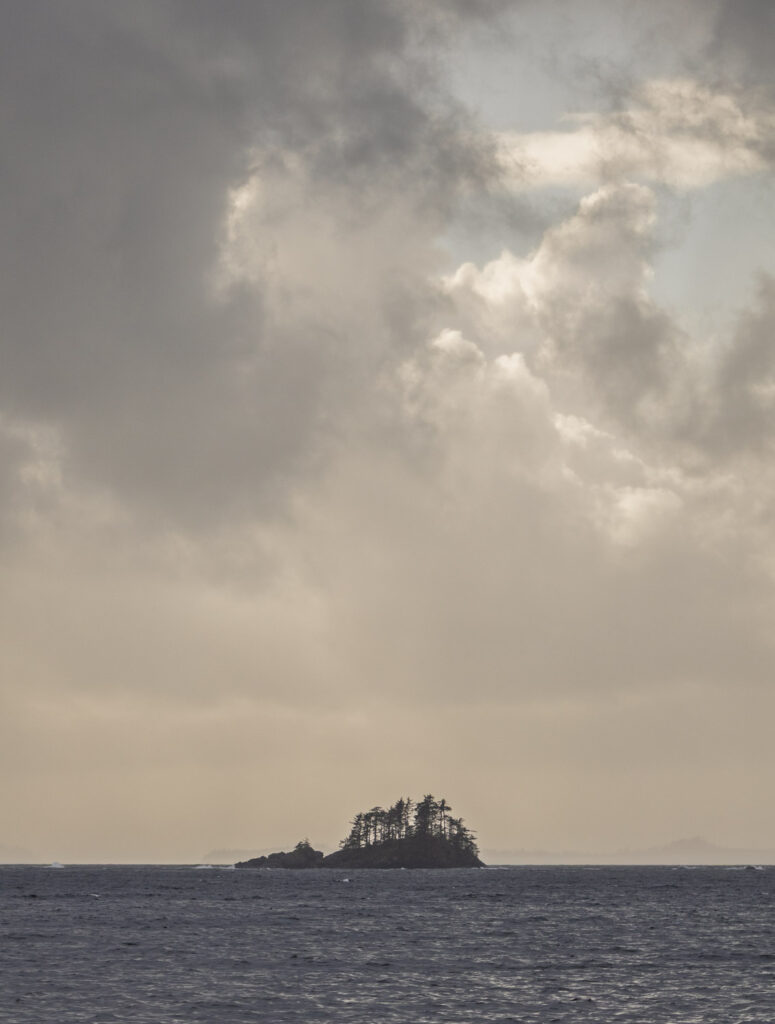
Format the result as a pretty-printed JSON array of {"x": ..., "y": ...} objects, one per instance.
[
  {"x": 301, "y": 856},
  {"x": 421, "y": 834}
]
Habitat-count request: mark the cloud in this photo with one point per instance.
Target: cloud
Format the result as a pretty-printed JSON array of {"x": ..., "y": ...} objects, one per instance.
[
  {"x": 741, "y": 42},
  {"x": 581, "y": 304},
  {"x": 677, "y": 132},
  {"x": 119, "y": 191},
  {"x": 575, "y": 428},
  {"x": 297, "y": 510},
  {"x": 741, "y": 399}
]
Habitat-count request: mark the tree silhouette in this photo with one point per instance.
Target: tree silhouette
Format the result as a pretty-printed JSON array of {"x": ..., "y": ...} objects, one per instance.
[{"x": 404, "y": 820}]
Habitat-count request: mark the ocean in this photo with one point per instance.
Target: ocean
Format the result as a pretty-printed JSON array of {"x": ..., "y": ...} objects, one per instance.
[{"x": 156, "y": 945}]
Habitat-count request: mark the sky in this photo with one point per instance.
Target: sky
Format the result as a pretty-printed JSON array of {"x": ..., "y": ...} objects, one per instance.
[{"x": 387, "y": 396}]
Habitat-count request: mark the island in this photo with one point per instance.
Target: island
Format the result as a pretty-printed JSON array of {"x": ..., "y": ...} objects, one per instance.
[
  {"x": 302, "y": 856},
  {"x": 410, "y": 834}
]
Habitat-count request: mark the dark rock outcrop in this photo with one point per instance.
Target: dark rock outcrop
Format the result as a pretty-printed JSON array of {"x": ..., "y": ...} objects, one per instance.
[
  {"x": 412, "y": 852},
  {"x": 301, "y": 856}
]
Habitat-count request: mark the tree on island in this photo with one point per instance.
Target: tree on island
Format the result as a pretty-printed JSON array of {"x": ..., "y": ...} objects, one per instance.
[{"x": 408, "y": 834}]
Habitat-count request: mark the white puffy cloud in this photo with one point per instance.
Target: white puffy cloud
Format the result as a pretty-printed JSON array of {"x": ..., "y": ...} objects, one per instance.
[
  {"x": 580, "y": 305},
  {"x": 679, "y": 132}
]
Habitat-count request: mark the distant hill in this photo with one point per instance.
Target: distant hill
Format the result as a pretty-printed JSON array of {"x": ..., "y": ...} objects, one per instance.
[{"x": 699, "y": 851}]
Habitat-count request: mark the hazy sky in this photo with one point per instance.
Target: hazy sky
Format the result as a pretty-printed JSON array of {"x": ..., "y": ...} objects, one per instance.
[{"x": 387, "y": 405}]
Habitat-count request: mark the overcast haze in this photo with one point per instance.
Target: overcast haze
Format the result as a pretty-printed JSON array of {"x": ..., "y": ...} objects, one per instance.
[{"x": 387, "y": 405}]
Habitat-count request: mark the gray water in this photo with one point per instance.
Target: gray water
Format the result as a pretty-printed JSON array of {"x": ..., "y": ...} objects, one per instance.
[{"x": 155, "y": 945}]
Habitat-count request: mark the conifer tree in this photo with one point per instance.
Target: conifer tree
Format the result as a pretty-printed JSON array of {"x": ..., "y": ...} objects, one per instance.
[{"x": 427, "y": 819}]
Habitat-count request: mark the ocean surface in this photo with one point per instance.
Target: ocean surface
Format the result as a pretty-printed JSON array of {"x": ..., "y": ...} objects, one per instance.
[{"x": 155, "y": 945}]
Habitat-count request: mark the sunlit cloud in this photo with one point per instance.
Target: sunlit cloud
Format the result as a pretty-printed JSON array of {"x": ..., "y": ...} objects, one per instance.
[{"x": 676, "y": 132}]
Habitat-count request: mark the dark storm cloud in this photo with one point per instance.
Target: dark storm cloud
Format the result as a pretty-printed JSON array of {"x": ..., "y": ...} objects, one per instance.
[
  {"x": 743, "y": 36},
  {"x": 125, "y": 128}
]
